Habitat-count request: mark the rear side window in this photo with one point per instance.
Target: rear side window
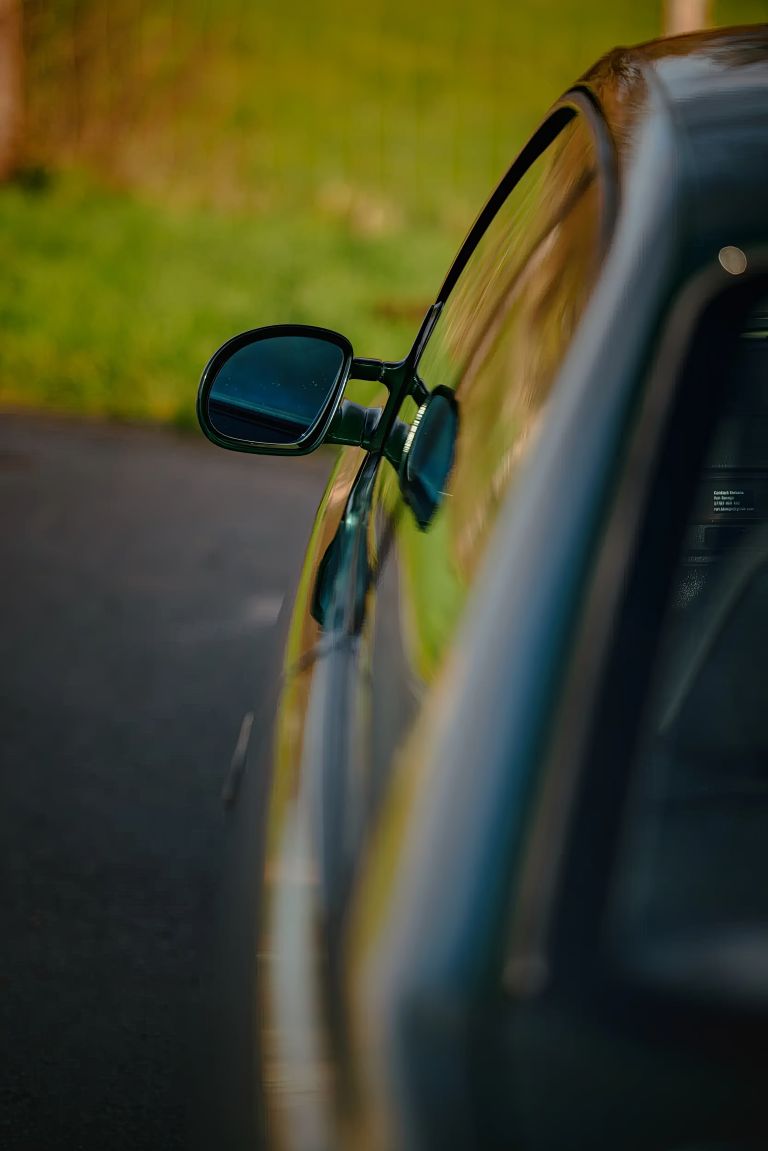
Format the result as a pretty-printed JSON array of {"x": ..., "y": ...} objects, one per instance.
[{"x": 695, "y": 850}]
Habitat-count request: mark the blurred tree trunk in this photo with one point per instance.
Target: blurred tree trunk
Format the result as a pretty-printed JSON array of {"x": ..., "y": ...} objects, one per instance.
[
  {"x": 11, "y": 86},
  {"x": 686, "y": 16}
]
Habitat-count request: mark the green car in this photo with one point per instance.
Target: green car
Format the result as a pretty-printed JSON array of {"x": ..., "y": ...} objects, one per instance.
[{"x": 501, "y": 866}]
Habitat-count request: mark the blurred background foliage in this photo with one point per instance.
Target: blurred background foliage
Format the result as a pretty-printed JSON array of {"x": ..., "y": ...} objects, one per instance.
[{"x": 190, "y": 168}]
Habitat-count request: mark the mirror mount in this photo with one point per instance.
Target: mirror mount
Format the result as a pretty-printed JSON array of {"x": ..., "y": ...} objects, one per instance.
[
  {"x": 357, "y": 426},
  {"x": 353, "y": 425}
]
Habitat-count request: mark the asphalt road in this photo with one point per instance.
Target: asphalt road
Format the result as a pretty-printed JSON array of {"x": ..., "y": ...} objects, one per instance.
[{"x": 141, "y": 574}]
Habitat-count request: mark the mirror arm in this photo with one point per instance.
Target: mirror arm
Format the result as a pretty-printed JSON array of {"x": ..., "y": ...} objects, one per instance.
[
  {"x": 355, "y": 426},
  {"x": 367, "y": 370},
  {"x": 389, "y": 373}
]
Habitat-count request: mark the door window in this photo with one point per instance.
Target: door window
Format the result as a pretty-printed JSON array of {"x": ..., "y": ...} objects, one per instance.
[{"x": 500, "y": 339}]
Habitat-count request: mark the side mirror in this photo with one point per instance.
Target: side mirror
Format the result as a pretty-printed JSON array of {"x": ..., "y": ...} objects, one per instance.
[{"x": 274, "y": 390}]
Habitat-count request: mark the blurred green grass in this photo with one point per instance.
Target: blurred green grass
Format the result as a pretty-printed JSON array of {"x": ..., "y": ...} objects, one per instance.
[
  {"x": 202, "y": 169},
  {"x": 111, "y": 306}
]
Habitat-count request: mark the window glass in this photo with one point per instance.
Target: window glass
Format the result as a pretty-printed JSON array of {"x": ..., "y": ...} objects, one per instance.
[
  {"x": 498, "y": 343},
  {"x": 517, "y": 254},
  {"x": 694, "y": 859}
]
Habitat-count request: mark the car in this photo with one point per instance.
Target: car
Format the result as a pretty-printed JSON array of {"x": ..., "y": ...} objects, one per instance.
[{"x": 502, "y": 841}]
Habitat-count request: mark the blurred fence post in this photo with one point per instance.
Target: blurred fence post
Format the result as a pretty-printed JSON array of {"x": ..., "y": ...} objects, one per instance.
[
  {"x": 11, "y": 86},
  {"x": 686, "y": 16}
]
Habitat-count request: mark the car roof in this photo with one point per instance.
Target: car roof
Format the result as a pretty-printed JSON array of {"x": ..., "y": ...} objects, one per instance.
[
  {"x": 710, "y": 89},
  {"x": 696, "y": 63}
]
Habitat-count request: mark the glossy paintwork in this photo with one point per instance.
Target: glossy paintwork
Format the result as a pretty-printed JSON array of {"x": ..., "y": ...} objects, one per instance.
[
  {"x": 400, "y": 910},
  {"x": 291, "y": 1033}
]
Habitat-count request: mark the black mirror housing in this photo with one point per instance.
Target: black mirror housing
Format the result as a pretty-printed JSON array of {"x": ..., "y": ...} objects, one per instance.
[{"x": 274, "y": 390}]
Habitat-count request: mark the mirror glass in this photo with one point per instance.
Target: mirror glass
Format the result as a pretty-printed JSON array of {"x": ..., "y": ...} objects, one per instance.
[{"x": 272, "y": 390}]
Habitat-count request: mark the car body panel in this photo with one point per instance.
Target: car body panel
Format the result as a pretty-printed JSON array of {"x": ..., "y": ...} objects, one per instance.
[{"x": 386, "y": 931}]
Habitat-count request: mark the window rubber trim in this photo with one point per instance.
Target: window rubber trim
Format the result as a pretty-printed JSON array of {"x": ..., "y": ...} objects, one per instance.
[{"x": 579, "y": 100}]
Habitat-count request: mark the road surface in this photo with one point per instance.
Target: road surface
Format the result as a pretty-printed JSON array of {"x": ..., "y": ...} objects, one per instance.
[{"x": 142, "y": 571}]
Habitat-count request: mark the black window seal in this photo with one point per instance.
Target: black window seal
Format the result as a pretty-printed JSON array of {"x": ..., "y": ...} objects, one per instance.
[{"x": 579, "y": 100}]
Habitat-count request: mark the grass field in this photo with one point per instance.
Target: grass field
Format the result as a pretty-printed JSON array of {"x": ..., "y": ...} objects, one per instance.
[
  {"x": 111, "y": 306},
  {"x": 197, "y": 169}
]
